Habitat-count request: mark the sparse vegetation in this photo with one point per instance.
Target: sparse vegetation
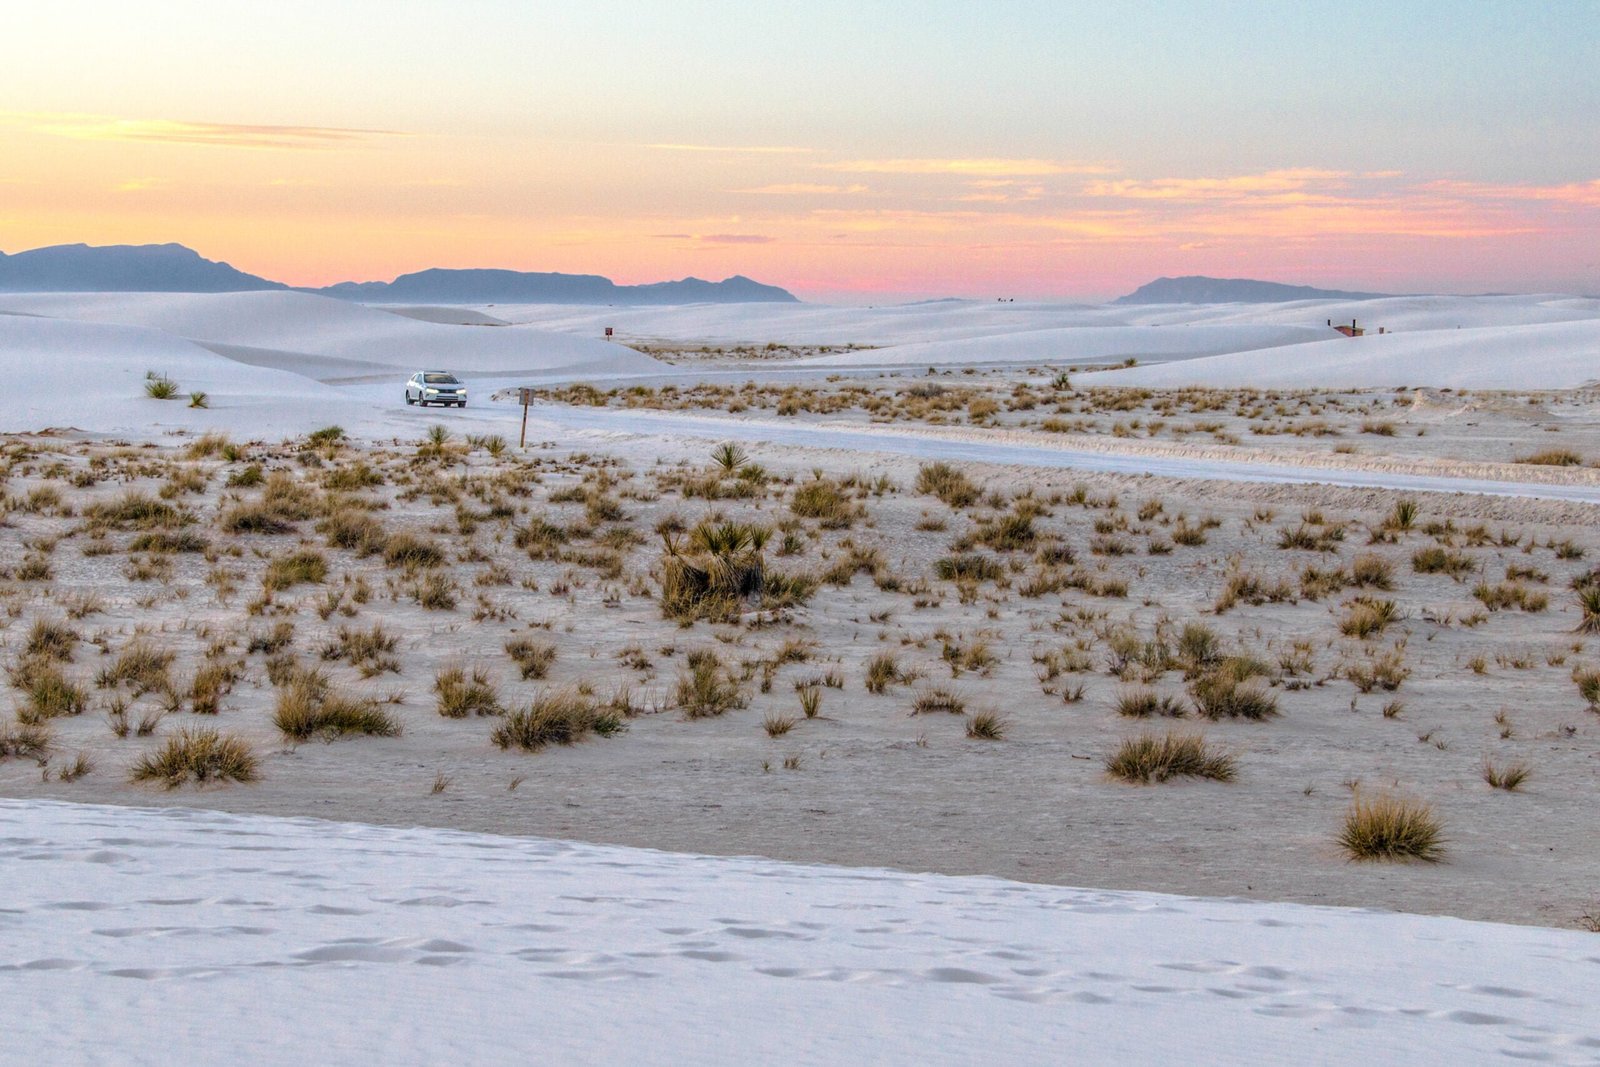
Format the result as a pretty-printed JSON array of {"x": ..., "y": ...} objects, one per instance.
[
  {"x": 200, "y": 756},
  {"x": 1387, "y": 827},
  {"x": 1152, "y": 758}
]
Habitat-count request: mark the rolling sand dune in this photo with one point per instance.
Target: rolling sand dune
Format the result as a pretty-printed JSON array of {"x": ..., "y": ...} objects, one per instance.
[
  {"x": 331, "y": 339},
  {"x": 91, "y": 376},
  {"x": 1562, "y": 355},
  {"x": 1081, "y": 344}
]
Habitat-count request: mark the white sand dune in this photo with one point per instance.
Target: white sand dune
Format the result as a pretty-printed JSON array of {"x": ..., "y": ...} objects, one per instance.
[
  {"x": 1562, "y": 355},
  {"x": 811, "y": 324},
  {"x": 333, "y": 340},
  {"x": 1402, "y": 313},
  {"x": 449, "y": 316},
  {"x": 1081, "y": 344},
  {"x": 91, "y": 376},
  {"x": 202, "y": 937}
]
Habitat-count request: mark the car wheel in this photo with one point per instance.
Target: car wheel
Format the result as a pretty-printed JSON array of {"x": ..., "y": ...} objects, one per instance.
[
  {"x": 462, "y": 404},
  {"x": 409, "y": 400}
]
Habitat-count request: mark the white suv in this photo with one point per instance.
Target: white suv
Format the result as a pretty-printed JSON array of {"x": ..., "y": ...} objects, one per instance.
[{"x": 435, "y": 387}]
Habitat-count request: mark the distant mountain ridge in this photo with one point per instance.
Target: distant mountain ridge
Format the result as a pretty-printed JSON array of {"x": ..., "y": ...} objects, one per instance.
[
  {"x": 1198, "y": 289},
  {"x": 439, "y": 285},
  {"x": 169, "y": 268},
  {"x": 173, "y": 268}
]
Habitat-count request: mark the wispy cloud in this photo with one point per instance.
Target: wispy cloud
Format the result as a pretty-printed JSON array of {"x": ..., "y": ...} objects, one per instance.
[
  {"x": 1243, "y": 185},
  {"x": 718, "y": 238},
  {"x": 980, "y": 167},
  {"x": 214, "y": 134},
  {"x": 805, "y": 189},
  {"x": 1586, "y": 194},
  {"x": 731, "y": 149}
]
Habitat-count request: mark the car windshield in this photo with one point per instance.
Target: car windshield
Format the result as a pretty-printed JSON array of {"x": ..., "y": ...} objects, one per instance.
[{"x": 440, "y": 379}]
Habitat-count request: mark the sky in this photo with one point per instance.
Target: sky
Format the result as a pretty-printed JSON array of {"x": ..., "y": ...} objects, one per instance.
[{"x": 853, "y": 152}]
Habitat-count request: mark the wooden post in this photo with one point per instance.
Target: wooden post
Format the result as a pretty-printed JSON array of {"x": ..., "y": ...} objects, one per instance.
[{"x": 526, "y": 395}]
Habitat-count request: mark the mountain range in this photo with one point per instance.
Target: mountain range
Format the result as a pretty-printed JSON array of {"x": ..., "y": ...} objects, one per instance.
[
  {"x": 1198, "y": 289},
  {"x": 173, "y": 268}
]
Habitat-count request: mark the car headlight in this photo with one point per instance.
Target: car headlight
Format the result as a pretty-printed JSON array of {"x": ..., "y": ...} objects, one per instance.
[{"x": 431, "y": 389}]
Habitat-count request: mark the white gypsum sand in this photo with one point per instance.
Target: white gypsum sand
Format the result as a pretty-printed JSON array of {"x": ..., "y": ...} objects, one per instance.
[{"x": 288, "y": 941}]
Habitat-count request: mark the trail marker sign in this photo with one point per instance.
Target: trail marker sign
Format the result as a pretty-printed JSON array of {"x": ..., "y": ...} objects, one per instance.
[{"x": 526, "y": 396}]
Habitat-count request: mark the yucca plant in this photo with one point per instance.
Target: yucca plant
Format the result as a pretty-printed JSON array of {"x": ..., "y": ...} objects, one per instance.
[
  {"x": 1589, "y": 604},
  {"x": 728, "y": 456},
  {"x": 711, "y": 570}
]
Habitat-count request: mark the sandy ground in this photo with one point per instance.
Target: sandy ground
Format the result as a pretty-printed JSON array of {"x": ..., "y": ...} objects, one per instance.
[{"x": 868, "y": 782}]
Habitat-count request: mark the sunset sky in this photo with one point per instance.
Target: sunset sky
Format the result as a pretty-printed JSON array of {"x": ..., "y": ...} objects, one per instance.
[{"x": 850, "y": 151}]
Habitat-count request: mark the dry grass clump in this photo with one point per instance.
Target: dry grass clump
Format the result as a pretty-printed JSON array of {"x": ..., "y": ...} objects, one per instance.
[
  {"x": 25, "y": 741},
  {"x": 272, "y": 641},
  {"x": 461, "y": 696},
  {"x": 824, "y": 500},
  {"x": 948, "y": 484},
  {"x": 938, "y": 699},
  {"x": 134, "y": 510},
  {"x": 254, "y": 518},
  {"x": 1391, "y": 828},
  {"x": 562, "y": 717},
  {"x": 986, "y": 726},
  {"x": 1587, "y": 680},
  {"x": 1367, "y": 617},
  {"x": 1436, "y": 560},
  {"x": 971, "y": 567},
  {"x": 406, "y": 551},
  {"x": 1151, "y": 758},
  {"x": 50, "y": 694},
  {"x": 140, "y": 666},
  {"x": 533, "y": 658},
  {"x": 371, "y": 651},
  {"x": 1372, "y": 570},
  {"x": 1141, "y": 702},
  {"x": 296, "y": 568},
  {"x": 354, "y": 529},
  {"x": 51, "y": 640},
  {"x": 1509, "y": 778},
  {"x": 1553, "y": 457},
  {"x": 167, "y": 542},
  {"x": 883, "y": 670},
  {"x": 1233, "y": 689},
  {"x": 1251, "y": 589},
  {"x": 200, "y": 756},
  {"x": 778, "y": 725},
  {"x": 211, "y": 682},
  {"x": 308, "y": 707},
  {"x": 706, "y": 687},
  {"x": 1386, "y": 671},
  {"x": 1511, "y": 595}
]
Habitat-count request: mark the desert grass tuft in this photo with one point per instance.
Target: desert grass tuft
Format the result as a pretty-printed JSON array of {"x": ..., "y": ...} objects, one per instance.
[
  {"x": 461, "y": 695},
  {"x": 1391, "y": 828},
  {"x": 200, "y": 756},
  {"x": 986, "y": 726},
  {"x": 561, "y": 717},
  {"x": 706, "y": 688},
  {"x": 309, "y": 707},
  {"x": 1509, "y": 778},
  {"x": 1151, "y": 758},
  {"x": 533, "y": 658}
]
